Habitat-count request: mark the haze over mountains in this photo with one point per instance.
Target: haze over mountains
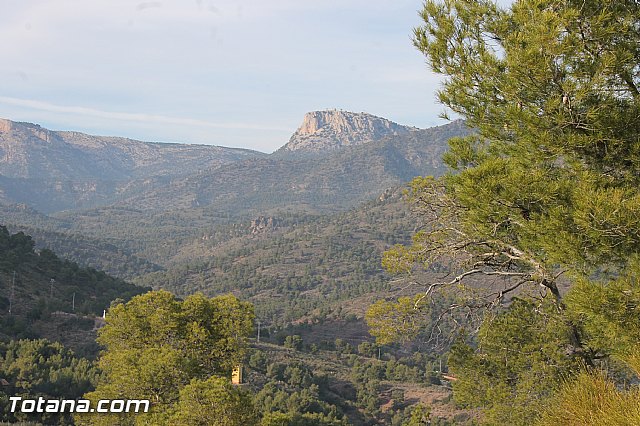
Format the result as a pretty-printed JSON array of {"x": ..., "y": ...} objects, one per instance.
[
  {"x": 180, "y": 216},
  {"x": 54, "y": 171},
  {"x": 361, "y": 155},
  {"x": 29, "y": 151}
]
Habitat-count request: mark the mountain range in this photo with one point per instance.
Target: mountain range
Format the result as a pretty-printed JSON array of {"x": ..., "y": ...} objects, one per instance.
[
  {"x": 335, "y": 160},
  {"x": 53, "y": 170},
  {"x": 295, "y": 231}
]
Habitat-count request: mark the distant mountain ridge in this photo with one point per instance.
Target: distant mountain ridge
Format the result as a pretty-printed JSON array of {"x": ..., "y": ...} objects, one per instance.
[
  {"x": 338, "y": 180},
  {"x": 333, "y": 129},
  {"x": 361, "y": 156},
  {"x": 29, "y": 151},
  {"x": 61, "y": 170}
]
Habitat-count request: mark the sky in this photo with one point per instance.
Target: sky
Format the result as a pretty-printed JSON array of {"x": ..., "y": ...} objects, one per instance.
[{"x": 236, "y": 73}]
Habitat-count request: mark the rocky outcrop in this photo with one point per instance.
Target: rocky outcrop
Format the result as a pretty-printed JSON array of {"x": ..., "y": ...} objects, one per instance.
[
  {"x": 333, "y": 129},
  {"x": 5, "y": 125},
  {"x": 263, "y": 224}
]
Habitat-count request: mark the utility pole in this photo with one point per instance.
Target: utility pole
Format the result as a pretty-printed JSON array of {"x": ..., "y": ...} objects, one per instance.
[
  {"x": 73, "y": 302},
  {"x": 258, "y": 331},
  {"x": 13, "y": 290},
  {"x": 51, "y": 293}
]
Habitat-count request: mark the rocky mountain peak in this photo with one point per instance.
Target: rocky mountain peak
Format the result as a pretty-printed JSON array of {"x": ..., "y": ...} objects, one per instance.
[
  {"x": 24, "y": 129},
  {"x": 332, "y": 129}
]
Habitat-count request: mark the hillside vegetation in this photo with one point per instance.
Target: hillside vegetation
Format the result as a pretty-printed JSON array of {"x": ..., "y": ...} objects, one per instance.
[{"x": 44, "y": 296}]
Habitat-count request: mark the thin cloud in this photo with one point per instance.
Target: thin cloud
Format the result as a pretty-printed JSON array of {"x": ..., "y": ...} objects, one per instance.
[
  {"x": 138, "y": 117},
  {"x": 148, "y": 5}
]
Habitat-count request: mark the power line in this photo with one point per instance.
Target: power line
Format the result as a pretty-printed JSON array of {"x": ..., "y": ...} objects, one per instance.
[{"x": 13, "y": 289}]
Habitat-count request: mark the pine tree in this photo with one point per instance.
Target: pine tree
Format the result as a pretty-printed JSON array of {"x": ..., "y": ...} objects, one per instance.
[
  {"x": 547, "y": 189},
  {"x": 162, "y": 349}
]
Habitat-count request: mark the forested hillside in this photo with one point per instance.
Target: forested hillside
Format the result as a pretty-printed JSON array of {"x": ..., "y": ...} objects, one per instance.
[
  {"x": 45, "y": 296},
  {"x": 155, "y": 218},
  {"x": 305, "y": 373},
  {"x": 300, "y": 235},
  {"x": 297, "y": 267},
  {"x": 42, "y": 369}
]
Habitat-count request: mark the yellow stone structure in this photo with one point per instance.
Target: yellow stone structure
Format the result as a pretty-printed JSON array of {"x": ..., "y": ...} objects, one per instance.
[{"x": 237, "y": 375}]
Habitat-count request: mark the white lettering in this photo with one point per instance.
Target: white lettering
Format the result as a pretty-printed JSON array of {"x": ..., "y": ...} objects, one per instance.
[
  {"x": 53, "y": 406},
  {"x": 42, "y": 405},
  {"x": 28, "y": 406},
  {"x": 137, "y": 403},
  {"x": 101, "y": 404},
  {"x": 71, "y": 403},
  {"x": 83, "y": 406},
  {"x": 14, "y": 400},
  {"x": 117, "y": 406}
]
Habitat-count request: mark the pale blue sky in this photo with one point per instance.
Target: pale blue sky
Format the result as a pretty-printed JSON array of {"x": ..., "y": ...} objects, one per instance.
[{"x": 232, "y": 73}]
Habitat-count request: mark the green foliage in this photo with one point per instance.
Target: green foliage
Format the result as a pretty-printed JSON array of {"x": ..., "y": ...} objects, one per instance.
[
  {"x": 296, "y": 406},
  {"x": 308, "y": 264},
  {"x": 156, "y": 345},
  {"x": 209, "y": 332},
  {"x": 16, "y": 249},
  {"x": 520, "y": 358},
  {"x": 547, "y": 187},
  {"x": 552, "y": 172},
  {"x": 390, "y": 321},
  {"x": 330, "y": 387},
  {"x": 420, "y": 415},
  {"x": 419, "y": 318},
  {"x": 258, "y": 361},
  {"x": 593, "y": 400},
  {"x": 609, "y": 312},
  {"x": 214, "y": 402},
  {"x": 276, "y": 418},
  {"x": 294, "y": 393},
  {"x": 101, "y": 254},
  {"x": 34, "y": 296},
  {"x": 367, "y": 349},
  {"x": 39, "y": 368},
  {"x": 293, "y": 342}
]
